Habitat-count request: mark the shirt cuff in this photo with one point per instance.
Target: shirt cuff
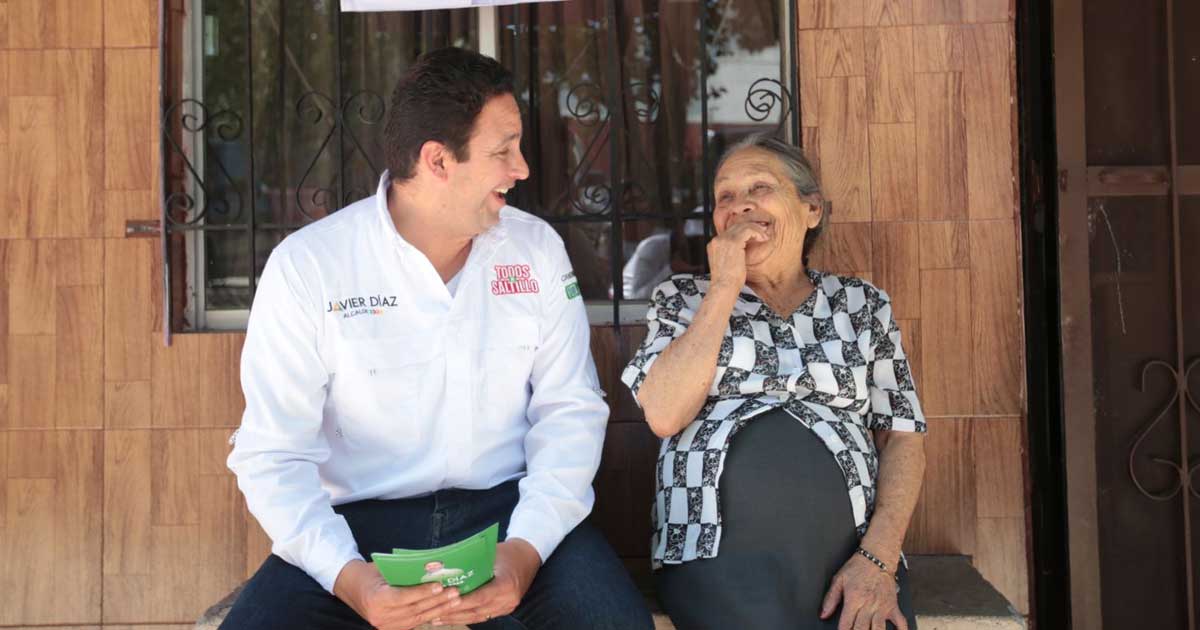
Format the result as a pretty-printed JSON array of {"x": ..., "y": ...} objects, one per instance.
[
  {"x": 540, "y": 530},
  {"x": 326, "y": 562}
]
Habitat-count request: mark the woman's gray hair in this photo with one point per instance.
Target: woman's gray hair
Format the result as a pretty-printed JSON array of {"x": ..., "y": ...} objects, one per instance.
[{"x": 800, "y": 172}]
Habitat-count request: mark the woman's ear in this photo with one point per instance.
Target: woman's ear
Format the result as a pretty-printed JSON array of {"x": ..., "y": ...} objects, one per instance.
[{"x": 815, "y": 211}]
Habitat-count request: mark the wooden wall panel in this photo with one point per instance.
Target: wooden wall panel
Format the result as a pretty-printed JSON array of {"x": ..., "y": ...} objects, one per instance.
[
  {"x": 896, "y": 250},
  {"x": 844, "y": 248},
  {"x": 844, "y": 162},
  {"x": 79, "y": 360},
  {"x": 127, "y": 405},
  {"x": 840, "y": 53},
  {"x": 3, "y": 91},
  {"x": 30, "y": 177},
  {"x": 887, "y": 12},
  {"x": 944, "y": 245},
  {"x": 174, "y": 494},
  {"x": 1003, "y": 560},
  {"x": 130, "y": 23},
  {"x": 1000, "y": 484},
  {"x": 79, "y": 153},
  {"x": 30, "y": 267},
  {"x": 181, "y": 398},
  {"x": 4, "y": 24},
  {"x": 31, "y": 381},
  {"x": 129, "y": 99},
  {"x": 826, "y": 14},
  {"x": 941, "y": 147},
  {"x": 998, "y": 383},
  {"x": 128, "y": 309},
  {"x": 50, "y": 537},
  {"x": 945, "y": 518},
  {"x": 122, "y": 206},
  {"x": 988, "y": 83},
  {"x": 946, "y": 346},
  {"x": 889, "y": 61},
  {"x": 78, "y": 263},
  {"x": 987, "y": 10},
  {"x": 893, "y": 150},
  {"x": 938, "y": 48},
  {"x": 937, "y": 11}
]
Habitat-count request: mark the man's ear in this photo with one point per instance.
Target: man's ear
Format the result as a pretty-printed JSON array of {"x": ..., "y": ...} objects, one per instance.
[{"x": 433, "y": 158}]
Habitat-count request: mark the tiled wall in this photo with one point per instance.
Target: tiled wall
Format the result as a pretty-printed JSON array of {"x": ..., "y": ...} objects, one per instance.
[{"x": 115, "y": 505}]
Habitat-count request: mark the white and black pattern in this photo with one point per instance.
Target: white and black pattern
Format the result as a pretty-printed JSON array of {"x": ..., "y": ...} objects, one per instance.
[{"x": 836, "y": 365}]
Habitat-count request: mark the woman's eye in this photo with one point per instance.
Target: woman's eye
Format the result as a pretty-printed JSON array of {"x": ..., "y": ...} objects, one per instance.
[
  {"x": 724, "y": 197},
  {"x": 759, "y": 187}
]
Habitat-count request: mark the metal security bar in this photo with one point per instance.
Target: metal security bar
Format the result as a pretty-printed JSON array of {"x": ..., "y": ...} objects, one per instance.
[{"x": 272, "y": 118}]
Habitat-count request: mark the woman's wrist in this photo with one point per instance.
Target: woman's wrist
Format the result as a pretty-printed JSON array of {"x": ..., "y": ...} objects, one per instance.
[{"x": 884, "y": 567}]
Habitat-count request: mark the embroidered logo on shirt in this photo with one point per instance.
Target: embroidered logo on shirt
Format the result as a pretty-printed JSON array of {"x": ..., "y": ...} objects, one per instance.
[
  {"x": 570, "y": 285},
  {"x": 512, "y": 279},
  {"x": 355, "y": 306}
]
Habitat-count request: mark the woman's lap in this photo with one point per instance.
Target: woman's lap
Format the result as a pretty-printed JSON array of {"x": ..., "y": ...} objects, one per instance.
[{"x": 787, "y": 528}]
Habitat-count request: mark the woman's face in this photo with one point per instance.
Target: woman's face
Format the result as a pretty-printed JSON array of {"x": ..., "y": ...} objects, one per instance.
[{"x": 752, "y": 185}]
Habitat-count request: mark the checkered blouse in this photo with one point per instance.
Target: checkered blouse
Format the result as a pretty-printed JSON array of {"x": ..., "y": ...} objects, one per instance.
[{"x": 836, "y": 366}]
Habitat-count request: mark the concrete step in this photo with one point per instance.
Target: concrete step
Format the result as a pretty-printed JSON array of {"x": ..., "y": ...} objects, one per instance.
[{"x": 948, "y": 594}]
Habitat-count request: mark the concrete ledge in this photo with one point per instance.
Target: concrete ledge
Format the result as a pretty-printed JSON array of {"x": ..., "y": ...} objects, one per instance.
[{"x": 948, "y": 594}]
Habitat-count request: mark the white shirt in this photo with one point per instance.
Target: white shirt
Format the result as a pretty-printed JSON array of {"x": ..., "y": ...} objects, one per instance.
[{"x": 365, "y": 378}]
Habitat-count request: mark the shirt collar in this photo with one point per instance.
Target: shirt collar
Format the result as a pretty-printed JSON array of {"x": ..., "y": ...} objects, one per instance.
[{"x": 494, "y": 236}]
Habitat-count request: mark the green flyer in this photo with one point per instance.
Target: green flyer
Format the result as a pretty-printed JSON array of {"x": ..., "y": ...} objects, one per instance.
[{"x": 466, "y": 564}]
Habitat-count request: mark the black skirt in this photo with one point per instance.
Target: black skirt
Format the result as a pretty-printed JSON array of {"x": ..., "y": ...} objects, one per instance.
[{"x": 787, "y": 528}]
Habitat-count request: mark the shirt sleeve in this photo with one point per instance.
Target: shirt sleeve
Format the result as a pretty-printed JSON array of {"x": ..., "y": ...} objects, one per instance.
[
  {"x": 667, "y": 320},
  {"x": 567, "y": 414},
  {"x": 894, "y": 403},
  {"x": 279, "y": 445}
]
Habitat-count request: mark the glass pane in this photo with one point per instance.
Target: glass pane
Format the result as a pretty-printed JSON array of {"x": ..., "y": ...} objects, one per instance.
[
  {"x": 291, "y": 64},
  {"x": 614, "y": 126}
]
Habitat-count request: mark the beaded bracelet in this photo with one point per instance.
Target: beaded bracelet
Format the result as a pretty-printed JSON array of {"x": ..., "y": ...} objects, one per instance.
[{"x": 876, "y": 561}]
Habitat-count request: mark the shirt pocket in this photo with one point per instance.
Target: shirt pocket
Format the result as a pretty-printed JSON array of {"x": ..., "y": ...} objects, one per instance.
[
  {"x": 383, "y": 401},
  {"x": 510, "y": 344}
]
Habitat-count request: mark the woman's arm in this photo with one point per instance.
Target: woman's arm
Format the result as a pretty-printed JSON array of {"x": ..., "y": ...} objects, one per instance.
[
  {"x": 901, "y": 471},
  {"x": 679, "y": 379}
]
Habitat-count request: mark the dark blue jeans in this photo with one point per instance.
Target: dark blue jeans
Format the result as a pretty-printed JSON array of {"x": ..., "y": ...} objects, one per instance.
[{"x": 582, "y": 586}]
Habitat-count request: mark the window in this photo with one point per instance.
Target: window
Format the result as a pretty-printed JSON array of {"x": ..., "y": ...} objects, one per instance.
[{"x": 274, "y": 113}]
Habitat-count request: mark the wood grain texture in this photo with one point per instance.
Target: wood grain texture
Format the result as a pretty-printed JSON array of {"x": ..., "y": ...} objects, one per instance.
[
  {"x": 31, "y": 178},
  {"x": 191, "y": 502},
  {"x": 889, "y": 67},
  {"x": 998, "y": 383},
  {"x": 844, "y": 154},
  {"x": 989, "y": 110},
  {"x": 3, "y": 95},
  {"x": 826, "y": 14},
  {"x": 32, "y": 72},
  {"x": 51, "y": 533},
  {"x": 946, "y": 350},
  {"x": 127, "y": 405},
  {"x": 128, "y": 309},
  {"x": 806, "y": 44},
  {"x": 944, "y": 520},
  {"x": 1003, "y": 560},
  {"x": 122, "y": 206},
  {"x": 941, "y": 147},
  {"x": 80, "y": 143},
  {"x": 938, "y": 48},
  {"x": 78, "y": 262},
  {"x": 945, "y": 245},
  {"x": 840, "y": 53},
  {"x": 999, "y": 468},
  {"x": 130, "y": 23},
  {"x": 128, "y": 102},
  {"x": 4, "y": 280},
  {"x": 4, "y": 24},
  {"x": 887, "y": 12},
  {"x": 937, "y": 11},
  {"x": 987, "y": 10},
  {"x": 31, "y": 370},
  {"x": 180, "y": 398},
  {"x": 28, "y": 24},
  {"x": 895, "y": 252},
  {"x": 893, "y": 150},
  {"x": 79, "y": 358},
  {"x": 76, "y": 23},
  {"x": 844, "y": 248},
  {"x": 30, "y": 267}
]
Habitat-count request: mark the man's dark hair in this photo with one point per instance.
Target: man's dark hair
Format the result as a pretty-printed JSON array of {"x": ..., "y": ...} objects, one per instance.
[{"x": 439, "y": 99}]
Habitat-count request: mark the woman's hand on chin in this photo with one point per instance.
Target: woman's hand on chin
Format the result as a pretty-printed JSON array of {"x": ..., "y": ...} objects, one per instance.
[
  {"x": 727, "y": 253},
  {"x": 867, "y": 595}
]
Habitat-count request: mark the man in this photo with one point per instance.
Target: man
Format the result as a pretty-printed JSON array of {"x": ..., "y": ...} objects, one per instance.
[{"x": 416, "y": 367}]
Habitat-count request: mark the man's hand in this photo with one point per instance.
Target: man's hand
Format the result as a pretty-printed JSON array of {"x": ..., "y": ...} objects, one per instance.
[
  {"x": 517, "y": 562},
  {"x": 392, "y": 607},
  {"x": 868, "y": 597}
]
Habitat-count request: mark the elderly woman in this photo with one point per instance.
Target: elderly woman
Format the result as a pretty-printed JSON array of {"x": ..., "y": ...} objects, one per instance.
[{"x": 793, "y": 446}]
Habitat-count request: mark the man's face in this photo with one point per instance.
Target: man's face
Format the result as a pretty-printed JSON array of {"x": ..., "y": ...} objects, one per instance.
[{"x": 494, "y": 165}]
